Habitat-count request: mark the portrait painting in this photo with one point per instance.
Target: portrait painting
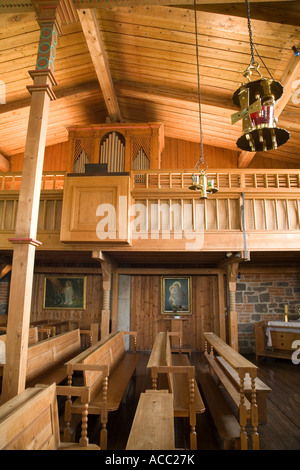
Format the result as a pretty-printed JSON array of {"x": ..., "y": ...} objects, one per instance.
[
  {"x": 176, "y": 294},
  {"x": 64, "y": 292}
]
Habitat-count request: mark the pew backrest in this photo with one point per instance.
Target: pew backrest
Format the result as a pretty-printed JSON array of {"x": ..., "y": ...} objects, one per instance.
[
  {"x": 30, "y": 421},
  {"x": 108, "y": 354},
  {"x": 50, "y": 352}
]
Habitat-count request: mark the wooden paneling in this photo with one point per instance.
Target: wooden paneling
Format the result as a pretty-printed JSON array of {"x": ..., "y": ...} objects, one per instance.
[
  {"x": 92, "y": 313},
  {"x": 147, "y": 320},
  {"x": 151, "y": 58}
]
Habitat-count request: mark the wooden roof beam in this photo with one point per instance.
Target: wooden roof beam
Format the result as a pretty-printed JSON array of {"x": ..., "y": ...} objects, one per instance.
[
  {"x": 288, "y": 78},
  {"x": 120, "y": 3},
  {"x": 95, "y": 45}
]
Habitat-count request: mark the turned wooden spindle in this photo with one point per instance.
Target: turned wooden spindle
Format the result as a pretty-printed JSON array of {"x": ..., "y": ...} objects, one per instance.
[
  {"x": 84, "y": 441},
  {"x": 243, "y": 414}
]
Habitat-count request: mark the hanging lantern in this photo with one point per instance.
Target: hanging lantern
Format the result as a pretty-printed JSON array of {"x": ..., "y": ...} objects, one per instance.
[
  {"x": 200, "y": 182},
  {"x": 256, "y": 100}
]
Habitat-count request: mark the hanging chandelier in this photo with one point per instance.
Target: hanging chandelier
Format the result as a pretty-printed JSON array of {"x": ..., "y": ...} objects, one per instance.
[
  {"x": 200, "y": 182},
  {"x": 256, "y": 100}
]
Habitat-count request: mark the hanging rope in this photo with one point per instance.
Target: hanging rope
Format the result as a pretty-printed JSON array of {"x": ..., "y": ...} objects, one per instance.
[{"x": 201, "y": 160}]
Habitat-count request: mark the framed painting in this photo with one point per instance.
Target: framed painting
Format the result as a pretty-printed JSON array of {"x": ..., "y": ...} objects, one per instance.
[
  {"x": 176, "y": 295},
  {"x": 65, "y": 293}
]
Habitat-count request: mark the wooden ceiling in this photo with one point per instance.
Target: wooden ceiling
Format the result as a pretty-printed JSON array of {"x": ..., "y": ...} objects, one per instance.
[{"x": 135, "y": 61}]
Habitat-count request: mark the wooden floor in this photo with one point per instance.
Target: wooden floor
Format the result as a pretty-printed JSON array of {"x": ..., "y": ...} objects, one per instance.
[{"x": 282, "y": 432}]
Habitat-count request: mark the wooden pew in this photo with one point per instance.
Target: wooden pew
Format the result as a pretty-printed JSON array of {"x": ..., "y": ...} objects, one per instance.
[
  {"x": 46, "y": 359},
  {"x": 187, "y": 401},
  {"x": 262, "y": 390},
  {"x": 221, "y": 413},
  {"x": 107, "y": 370},
  {"x": 30, "y": 420},
  {"x": 32, "y": 339},
  {"x": 153, "y": 424}
]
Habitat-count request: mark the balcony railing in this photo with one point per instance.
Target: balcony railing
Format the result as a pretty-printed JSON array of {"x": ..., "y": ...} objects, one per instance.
[{"x": 163, "y": 206}]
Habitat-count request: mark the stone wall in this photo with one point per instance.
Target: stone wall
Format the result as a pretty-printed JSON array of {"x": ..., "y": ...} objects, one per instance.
[{"x": 263, "y": 297}]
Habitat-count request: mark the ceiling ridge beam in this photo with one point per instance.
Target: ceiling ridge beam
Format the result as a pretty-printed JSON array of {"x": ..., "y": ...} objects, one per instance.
[{"x": 91, "y": 31}]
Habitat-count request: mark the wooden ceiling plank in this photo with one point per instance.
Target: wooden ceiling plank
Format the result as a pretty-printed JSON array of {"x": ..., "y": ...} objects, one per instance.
[
  {"x": 78, "y": 3},
  {"x": 94, "y": 41}
]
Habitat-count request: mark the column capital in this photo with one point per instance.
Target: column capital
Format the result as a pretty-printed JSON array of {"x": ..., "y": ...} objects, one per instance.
[{"x": 43, "y": 80}]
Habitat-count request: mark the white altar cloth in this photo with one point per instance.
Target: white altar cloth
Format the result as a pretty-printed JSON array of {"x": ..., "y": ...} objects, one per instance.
[{"x": 291, "y": 326}]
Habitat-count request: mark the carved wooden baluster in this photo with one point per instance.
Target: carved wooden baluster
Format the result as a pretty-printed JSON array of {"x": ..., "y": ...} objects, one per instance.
[
  {"x": 68, "y": 413},
  {"x": 84, "y": 441},
  {"x": 254, "y": 415},
  {"x": 193, "y": 434},
  {"x": 104, "y": 415},
  {"x": 243, "y": 414},
  {"x": 154, "y": 375}
]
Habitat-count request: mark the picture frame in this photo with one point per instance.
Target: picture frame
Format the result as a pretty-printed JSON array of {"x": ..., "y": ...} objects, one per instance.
[
  {"x": 64, "y": 292},
  {"x": 176, "y": 295}
]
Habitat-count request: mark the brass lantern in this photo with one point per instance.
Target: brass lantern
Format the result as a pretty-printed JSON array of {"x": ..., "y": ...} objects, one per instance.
[
  {"x": 200, "y": 182},
  {"x": 256, "y": 100}
]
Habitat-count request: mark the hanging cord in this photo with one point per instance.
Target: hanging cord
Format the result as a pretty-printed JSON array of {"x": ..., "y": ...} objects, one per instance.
[
  {"x": 201, "y": 160},
  {"x": 250, "y": 33},
  {"x": 252, "y": 45}
]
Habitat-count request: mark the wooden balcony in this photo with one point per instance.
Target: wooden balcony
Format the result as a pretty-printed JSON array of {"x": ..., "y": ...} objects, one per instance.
[{"x": 253, "y": 209}]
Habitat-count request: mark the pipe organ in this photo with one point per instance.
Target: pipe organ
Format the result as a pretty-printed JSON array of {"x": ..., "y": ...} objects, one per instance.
[{"x": 121, "y": 146}]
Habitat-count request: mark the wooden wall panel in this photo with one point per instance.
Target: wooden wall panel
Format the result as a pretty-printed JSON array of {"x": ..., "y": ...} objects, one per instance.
[
  {"x": 91, "y": 314},
  {"x": 147, "y": 320},
  {"x": 177, "y": 153}
]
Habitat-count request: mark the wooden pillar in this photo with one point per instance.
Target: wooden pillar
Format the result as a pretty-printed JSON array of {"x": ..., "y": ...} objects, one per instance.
[
  {"x": 24, "y": 242},
  {"x": 107, "y": 267},
  {"x": 232, "y": 270},
  {"x": 106, "y": 282}
]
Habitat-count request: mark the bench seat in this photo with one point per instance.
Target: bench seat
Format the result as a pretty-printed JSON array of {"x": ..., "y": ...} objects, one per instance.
[
  {"x": 153, "y": 424},
  {"x": 181, "y": 383},
  {"x": 107, "y": 371},
  {"x": 227, "y": 425},
  {"x": 119, "y": 379},
  {"x": 262, "y": 390}
]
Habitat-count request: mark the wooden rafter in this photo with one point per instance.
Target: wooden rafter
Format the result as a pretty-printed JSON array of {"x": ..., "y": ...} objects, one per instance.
[
  {"x": 290, "y": 74},
  {"x": 78, "y": 3},
  {"x": 94, "y": 41}
]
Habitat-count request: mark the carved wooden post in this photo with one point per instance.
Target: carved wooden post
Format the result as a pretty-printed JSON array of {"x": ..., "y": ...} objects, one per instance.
[
  {"x": 25, "y": 241},
  {"x": 106, "y": 282},
  {"x": 232, "y": 270},
  {"x": 107, "y": 268}
]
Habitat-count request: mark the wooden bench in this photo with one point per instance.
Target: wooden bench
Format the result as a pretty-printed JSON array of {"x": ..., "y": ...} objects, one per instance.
[
  {"x": 30, "y": 420},
  {"x": 32, "y": 339},
  {"x": 153, "y": 423},
  {"x": 46, "y": 359},
  {"x": 107, "y": 370},
  {"x": 223, "y": 415},
  {"x": 187, "y": 401},
  {"x": 262, "y": 390}
]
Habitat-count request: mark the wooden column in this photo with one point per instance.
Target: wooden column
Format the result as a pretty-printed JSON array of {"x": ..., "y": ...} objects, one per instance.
[
  {"x": 107, "y": 267},
  {"x": 232, "y": 270},
  {"x": 24, "y": 243}
]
